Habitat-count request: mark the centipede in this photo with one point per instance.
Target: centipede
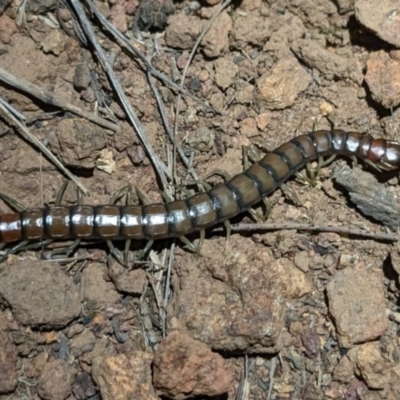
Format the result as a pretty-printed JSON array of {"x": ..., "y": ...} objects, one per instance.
[{"x": 179, "y": 218}]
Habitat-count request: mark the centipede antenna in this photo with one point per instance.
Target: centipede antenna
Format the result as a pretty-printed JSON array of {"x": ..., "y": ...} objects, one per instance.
[
  {"x": 14, "y": 204},
  {"x": 60, "y": 193}
]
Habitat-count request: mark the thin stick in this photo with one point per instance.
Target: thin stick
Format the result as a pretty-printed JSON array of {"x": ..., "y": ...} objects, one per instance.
[
  {"x": 88, "y": 30},
  {"x": 189, "y": 61},
  {"x": 52, "y": 99},
  {"x": 38, "y": 144},
  {"x": 123, "y": 42},
  {"x": 303, "y": 227}
]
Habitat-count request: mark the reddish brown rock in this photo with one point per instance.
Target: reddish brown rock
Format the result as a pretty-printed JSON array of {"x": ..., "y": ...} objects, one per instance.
[
  {"x": 182, "y": 31},
  {"x": 383, "y": 79},
  {"x": 40, "y": 293},
  {"x": 357, "y": 304},
  {"x": 255, "y": 33},
  {"x": 216, "y": 40},
  {"x": 384, "y": 20},
  {"x": 225, "y": 72},
  {"x": 280, "y": 87},
  {"x": 78, "y": 142},
  {"x": 184, "y": 367},
  {"x": 125, "y": 376},
  {"x": 96, "y": 289},
  {"x": 236, "y": 299},
  {"x": 128, "y": 281},
  {"x": 371, "y": 364},
  {"x": 329, "y": 63},
  {"x": 343, "y": 371},
  {"x": 8, "y": 364},
  {"x": 55, "y": 381}
]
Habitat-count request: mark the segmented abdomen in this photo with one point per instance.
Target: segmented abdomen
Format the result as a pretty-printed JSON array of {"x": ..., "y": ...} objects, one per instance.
[{"x": 202, "y": 210}]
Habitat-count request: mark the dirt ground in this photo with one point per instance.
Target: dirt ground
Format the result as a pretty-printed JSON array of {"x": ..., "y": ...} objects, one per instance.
[{"x": 303, "y": 306}]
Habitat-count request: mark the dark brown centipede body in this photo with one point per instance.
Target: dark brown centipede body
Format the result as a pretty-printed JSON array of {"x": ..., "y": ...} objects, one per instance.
[{"x": 203, "y": 210}]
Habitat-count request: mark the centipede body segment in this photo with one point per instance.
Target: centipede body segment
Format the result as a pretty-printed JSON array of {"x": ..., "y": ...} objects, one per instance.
[{"x": 202, "y": 210}]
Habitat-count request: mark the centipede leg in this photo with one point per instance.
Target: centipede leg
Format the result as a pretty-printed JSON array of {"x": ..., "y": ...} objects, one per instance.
[
  {"x": 60, "y": 193},
  {"x": 125, "y": 190},
  {"x": 14, "y": 249},
  {"x": 190, "y": 245},
  {"x": 146, "y": 249},
  {"x": 14, "y": 204},
  {"x": 228, "y": 229},
  {"x": 291, "y": 194},
  {"x": 115, "y": 252}
]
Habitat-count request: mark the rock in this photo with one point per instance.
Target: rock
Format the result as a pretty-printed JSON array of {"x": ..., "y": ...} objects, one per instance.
[
  {"x": 330, "y": 64},
  {"x": 279, "y": 88},
  {"x": 384, "y": 20},
  {"x": 8, "y": 28},
  {"x": 251, "y": 29},
  {"x": 383, "y": 79},
  {"x": 248, "y": 299},
  {"x": 53, "y": 43},
  {"x": 40, "y": 294},
  {"x": 225, "y": 72},
  {"x": 55, "y": 381},
  {"x": 311, "y": 343},
  {"x": 81, "y": 77},
  {"x": 182, "y": 31},
  {"x": 216, "y": 40},
  {"x": 83, "y": 386},
  {"x": 125, "y": 376},
  {"x": 153, "y": 14},
  {"x": 371, "y": 364},
  {"x": 201, "y": 139},
  {"x": 184, "y": 367},
  {"x": 83, "y": 343},
  {"x": 343, "y": 371},
  {"x": 8, "y": 364},
  {"x": 248, "y": 127},
  {"x": 128, "y": 281},
  {"x": 97, "y": 290},
  {"x": 78, "y": 142},
  {"x": 364, "y": 317},
  {"x": 371, "y": 197}
]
